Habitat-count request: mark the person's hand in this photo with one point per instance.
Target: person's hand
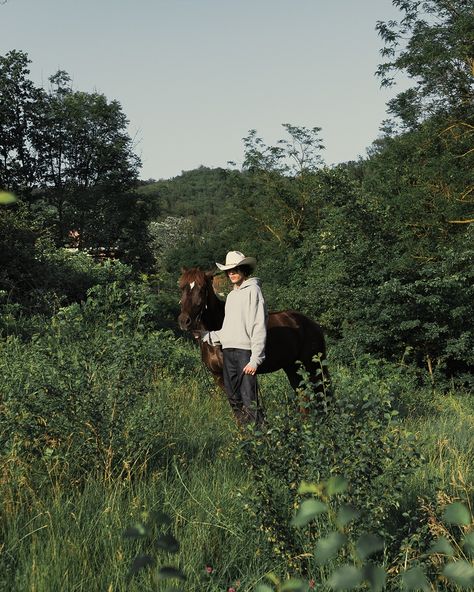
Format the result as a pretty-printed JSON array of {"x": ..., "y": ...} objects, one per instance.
[
  {"x": 198, "y": 334},
  {"x": 250, "y": 370}
]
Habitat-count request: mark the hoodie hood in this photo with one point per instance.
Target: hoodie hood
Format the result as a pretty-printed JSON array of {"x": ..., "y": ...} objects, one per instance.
[{"x": 251, "y": 281}]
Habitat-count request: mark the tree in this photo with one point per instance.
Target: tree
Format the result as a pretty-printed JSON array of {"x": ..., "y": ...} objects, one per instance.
[
  {"x": 67, "y": 155},
  {"x": 434, "y": 44},
  {"x": 280, "y": 189},
  {"x": 19, "y": 102},
  {"x": 87, "y": 157}
]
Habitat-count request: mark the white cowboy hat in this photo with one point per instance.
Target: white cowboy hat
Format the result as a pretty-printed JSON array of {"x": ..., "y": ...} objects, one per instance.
[{"x": 236, "y": 258}]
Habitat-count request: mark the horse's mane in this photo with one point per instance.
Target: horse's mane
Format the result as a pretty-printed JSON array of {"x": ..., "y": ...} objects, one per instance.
[{"x": 195, "y": 274}]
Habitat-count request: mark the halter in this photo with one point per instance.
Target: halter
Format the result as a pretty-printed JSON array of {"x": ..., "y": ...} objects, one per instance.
[{"x": 203, "y": 307}]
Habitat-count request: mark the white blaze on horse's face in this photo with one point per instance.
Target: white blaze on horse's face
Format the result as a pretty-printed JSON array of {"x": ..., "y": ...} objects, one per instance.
[{"x": 191, "y": 285}]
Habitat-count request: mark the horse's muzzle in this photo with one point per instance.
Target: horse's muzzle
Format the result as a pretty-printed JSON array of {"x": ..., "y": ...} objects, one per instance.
[{"x": 184, "y": 322}]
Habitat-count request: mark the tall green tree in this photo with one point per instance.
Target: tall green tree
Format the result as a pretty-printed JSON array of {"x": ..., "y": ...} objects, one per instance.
[
  {"x": 432, "y": 42},
  {"x": 67, "y": 154},
  {"x": 86, "y": 158},
  {"x": 19, "y": 114},
  {"x": 280, "y": 188}
]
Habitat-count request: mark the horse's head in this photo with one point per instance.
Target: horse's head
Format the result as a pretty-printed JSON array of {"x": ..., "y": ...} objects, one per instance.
[{"x": 194, "y": 285}]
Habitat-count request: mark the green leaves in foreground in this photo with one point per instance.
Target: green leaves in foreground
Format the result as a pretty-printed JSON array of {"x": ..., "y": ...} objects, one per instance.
[
  {"x": 308, "y": 510},
  {"x": 329, "y": 546},
  {"x": 345, "y": 577},
  {"x": 6, "y": 198},
  {"x": 312, "y": 507},
  {"x": 415, "y": 579},
  {"x": 457, "y": 513},
  {"x": 165, "y": 541},
  {"x": 140, "y": 562},
  {"x": 368, "y": 544},
  {"x": 460, "y": 573}
]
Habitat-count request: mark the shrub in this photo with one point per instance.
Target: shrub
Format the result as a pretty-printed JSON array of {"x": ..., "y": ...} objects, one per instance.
[
  {"x": 358, "y": 436},
  {"x": 85, "y": 392}
]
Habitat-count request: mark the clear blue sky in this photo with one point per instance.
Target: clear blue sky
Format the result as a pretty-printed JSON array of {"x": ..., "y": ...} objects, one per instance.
[{"x": 193, "y": 76}]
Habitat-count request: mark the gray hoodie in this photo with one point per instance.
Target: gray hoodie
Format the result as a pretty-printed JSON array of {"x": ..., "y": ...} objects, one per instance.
[{"x": 245, "y": 321}]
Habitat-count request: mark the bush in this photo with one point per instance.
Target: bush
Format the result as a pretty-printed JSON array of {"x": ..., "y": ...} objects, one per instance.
[
  {"x": 358, "y": 436},
  {"x": 83, "y": 392}
]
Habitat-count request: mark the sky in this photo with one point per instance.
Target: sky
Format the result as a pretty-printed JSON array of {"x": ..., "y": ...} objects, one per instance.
[{"x": 194, "y": 76}]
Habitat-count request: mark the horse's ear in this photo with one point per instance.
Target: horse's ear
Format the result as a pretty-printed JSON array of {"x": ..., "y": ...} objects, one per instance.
[
  {"x": 184, "y": 269},
  {"x": 210, "y": 274}
]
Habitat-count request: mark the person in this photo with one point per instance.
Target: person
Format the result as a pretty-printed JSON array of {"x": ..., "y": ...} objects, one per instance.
[{"x": 242, "y": 337}]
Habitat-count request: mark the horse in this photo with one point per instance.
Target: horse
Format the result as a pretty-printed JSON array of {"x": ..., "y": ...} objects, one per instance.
[{"x": 293, "y": 339}]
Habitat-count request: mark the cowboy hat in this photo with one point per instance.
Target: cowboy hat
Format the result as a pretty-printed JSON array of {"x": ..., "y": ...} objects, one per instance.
[{"x": 235, "y": 259}]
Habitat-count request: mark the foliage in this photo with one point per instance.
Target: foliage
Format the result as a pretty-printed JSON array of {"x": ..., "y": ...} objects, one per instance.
[
  {"x": 358, "y": 435},
  {"x": 78, "y": 392},
  {"x": 433, "y": 44},
  {"x": 67, "y": 155},
  {"x": 199, "y": 195},
  {"x": 167, "y": 235},
  {"x": 36, "y": 278}
]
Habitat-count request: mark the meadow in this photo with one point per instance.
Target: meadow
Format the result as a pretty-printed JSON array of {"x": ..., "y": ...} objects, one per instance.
[{"x": 120, "y": 459}]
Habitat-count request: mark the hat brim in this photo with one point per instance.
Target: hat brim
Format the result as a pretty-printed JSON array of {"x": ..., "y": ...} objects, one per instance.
[{"x": 250, "y": 261}]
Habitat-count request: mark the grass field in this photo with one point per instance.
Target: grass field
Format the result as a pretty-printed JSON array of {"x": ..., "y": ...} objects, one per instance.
[{"x": 61, "y": 532}]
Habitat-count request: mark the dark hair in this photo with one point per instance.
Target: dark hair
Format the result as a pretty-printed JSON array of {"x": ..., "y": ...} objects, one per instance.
[{"x": 246, "y": 270}]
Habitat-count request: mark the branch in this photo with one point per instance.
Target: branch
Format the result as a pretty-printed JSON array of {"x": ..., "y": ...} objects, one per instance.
[
  {"x": 465, "y": 194},
  {"x": 265, "y": 225},
  {"x": 465, "y": 153}
]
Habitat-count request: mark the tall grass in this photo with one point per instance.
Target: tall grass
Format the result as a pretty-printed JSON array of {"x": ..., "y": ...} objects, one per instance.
[
  {"x": 63, "y": 530},
  {"x": 447, "y": 434},
  {"x": 61, "y": 536}
]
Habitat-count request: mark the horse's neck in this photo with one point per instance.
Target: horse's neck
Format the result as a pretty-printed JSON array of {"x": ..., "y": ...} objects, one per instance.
[{"x": 213, "y": 316}]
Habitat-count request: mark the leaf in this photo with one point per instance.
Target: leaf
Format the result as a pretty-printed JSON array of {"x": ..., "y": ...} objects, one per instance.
[
  {"x": 442, "y": 547},
  {"x": 345, "y": 515},
  {"x": 167, "y": 573},
  {"x": 468, "y": 543},
  {"x": 336, "y": 484},
  {"x": 376, "y": 577},
  {"x": 294, "y": 585},
  {"x": 168, "y": 543},
  {"x": 308, "y": 510},
  {"x": 136, "y": 531},
  {"x": 273, "y": 578},
  {"x": 263, "y": 588},
  {"x": 415, "y": 579},
  {"x": 140, "y": 562},
  {"x": 457, "y": 513},
  {"x": 461, "y": 573},
  {"x": 328, "y": 547},
  {"x": 368, "y": 544},
  {"x": 345, "y": 578},
  {"x": 305, "y": 487},
  {"x": 7, "y": 198},
  {"x": 160, "y": 518}
]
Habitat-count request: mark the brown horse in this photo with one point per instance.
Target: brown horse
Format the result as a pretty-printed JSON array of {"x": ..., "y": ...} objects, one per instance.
[{"x": 292, "y": 338}]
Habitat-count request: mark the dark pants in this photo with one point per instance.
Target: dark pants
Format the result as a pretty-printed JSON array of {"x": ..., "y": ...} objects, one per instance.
[{"x": 241, "y": 388}]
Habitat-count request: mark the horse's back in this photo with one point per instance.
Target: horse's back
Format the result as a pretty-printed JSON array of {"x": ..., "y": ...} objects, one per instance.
[{"x": 291, "y": 337}]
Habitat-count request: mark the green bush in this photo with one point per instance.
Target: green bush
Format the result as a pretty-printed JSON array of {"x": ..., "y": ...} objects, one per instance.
[
  {"x": 358, "y": 435},
  {"x": 83, "y": 392}
]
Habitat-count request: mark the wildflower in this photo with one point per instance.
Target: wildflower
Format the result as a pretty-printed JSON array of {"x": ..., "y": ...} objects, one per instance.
[
  {"x": 231, "y": 589},
  {"x": 312, "y": 584},
  {"x": 209, "y": 569}
]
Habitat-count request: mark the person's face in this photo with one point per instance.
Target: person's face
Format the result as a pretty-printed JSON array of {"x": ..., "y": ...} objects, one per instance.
[{"x": 236, "y": 276}]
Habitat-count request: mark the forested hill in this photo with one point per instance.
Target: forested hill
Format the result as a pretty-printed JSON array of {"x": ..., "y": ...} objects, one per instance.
[{"x": 199, "y": 195}]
